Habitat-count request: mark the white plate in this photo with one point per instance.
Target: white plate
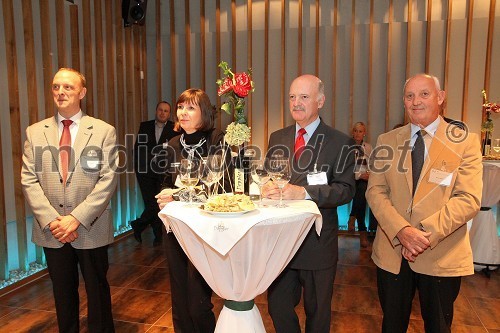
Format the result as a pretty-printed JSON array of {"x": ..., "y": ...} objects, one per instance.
[{"x": 227, "y": 214}]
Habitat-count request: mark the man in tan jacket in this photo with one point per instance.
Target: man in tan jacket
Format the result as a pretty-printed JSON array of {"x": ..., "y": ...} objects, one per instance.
[{"x": 422, "y": 240}]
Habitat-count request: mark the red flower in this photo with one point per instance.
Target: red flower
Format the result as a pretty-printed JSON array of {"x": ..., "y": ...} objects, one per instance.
[
  {"x": 243, "y": 84},
  {"x": 492, "y": 107},
  {"x": 225, "y": 87}
]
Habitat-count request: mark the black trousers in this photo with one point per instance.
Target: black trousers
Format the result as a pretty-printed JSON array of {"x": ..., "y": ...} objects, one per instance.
[
  {"x": 191, "y": 295},
  {"x": 150, "y": 186},
  {"x": 359, "y": 204},
  {"x": 284, "y": 295},
  {"x": 436, "y": 294},
  {"x": 63, "y": 264}
]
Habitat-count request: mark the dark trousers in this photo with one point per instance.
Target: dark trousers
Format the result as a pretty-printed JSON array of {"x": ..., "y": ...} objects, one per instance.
[
  {"x": 191, "y": 295},
  {"x": 436, "y": 295},
  {"x": 359, "y": 204},
  {"x": 63, "y": 264},
  {"x": 150, "y": 186},
  {"x": 373, "y": 223},
  {"x": 284, "y": 294}
]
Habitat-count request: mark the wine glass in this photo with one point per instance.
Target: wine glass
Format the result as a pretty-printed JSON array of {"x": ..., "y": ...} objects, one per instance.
[
  {"x": 189, "y": 174},
  {"x": 279, "y": 170},
  {"x": 260, "y": 176},
  {"x": 496, "y": 147},
  {"x": 211, "y": 172}
]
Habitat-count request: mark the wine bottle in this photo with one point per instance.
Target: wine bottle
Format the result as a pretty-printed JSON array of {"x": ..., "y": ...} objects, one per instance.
[
  {"x": 242, "y": 171},
  {"x": 486, "y": 144}
]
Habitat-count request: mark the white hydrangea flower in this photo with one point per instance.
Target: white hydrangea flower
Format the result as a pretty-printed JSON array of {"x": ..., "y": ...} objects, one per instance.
[{"x": 237, "y": 134}]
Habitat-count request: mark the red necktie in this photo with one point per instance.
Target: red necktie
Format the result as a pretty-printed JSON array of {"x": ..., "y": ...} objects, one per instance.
[
  {"x": 299, "y": 143},
  {"x": 65, "y": 148}
]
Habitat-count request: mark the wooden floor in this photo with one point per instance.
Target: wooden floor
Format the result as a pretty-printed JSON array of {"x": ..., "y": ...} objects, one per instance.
[{"x": 141, "y": 300}]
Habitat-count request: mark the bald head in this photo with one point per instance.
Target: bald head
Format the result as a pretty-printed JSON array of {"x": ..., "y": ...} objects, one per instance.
[{"x": 423, "y": 99}]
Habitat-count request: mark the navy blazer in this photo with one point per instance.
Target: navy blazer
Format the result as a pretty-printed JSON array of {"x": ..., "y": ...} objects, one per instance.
[
  {"x": 332, "y": 152},
  {"x": 149, "y": 155}
]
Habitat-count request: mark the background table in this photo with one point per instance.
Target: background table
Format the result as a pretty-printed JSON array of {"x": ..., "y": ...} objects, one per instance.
[
  {"x": 483, "y": 233},
  {"x": 252, "y": 260}
]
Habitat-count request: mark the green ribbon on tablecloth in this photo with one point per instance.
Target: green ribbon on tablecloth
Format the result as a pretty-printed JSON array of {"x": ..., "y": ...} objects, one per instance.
[{"x": 239, "y": 306}]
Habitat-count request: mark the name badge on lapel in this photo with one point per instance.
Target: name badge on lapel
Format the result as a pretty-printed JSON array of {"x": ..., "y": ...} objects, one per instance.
[
  {"x": 440, "y": 177},
  {"x": 317, "y": 178},
  {"x": 91, "y": 160}
]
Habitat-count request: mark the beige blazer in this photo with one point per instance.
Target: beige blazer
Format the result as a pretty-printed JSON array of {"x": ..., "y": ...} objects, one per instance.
[
  {"x": 90, "y": 185},
  {"x": 441, "y": 209}
]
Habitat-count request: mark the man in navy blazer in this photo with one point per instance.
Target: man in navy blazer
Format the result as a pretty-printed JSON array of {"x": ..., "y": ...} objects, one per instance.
[
  {"x": 149, "y": 161},
  {"x": 323, "y": 173}
]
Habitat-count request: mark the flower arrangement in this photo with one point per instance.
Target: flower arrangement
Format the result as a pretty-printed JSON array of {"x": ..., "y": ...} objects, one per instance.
[
  {"x": 488, "y": 108},
  {"x": 235, "y": 87}
]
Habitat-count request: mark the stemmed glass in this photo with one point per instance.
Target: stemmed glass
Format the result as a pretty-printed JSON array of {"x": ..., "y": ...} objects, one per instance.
[
  {"x": 189, "y": 174},
  {"x": 279, "y": 170},
  {"x": 496, "y": 147},
  {"x": 260, "y": 176},
  {"x": 211, "y": 172}
]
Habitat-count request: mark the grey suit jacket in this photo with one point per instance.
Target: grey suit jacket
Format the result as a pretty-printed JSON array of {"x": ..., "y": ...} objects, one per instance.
[
  {"x": 331, "y": 151},
  {"x": 90, "y": 185}
]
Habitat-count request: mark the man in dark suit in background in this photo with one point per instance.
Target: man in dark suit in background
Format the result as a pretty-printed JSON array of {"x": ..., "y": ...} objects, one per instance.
[
  {"x": 322, "y": 171},
  {"x": 149, "y": 152}
]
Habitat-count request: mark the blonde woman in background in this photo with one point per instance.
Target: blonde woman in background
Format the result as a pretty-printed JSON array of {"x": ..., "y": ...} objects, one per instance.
[{"x": 361, "y": 173}]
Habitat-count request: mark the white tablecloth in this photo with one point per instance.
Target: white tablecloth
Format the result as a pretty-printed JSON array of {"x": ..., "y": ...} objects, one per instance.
[
  {"x": 483, "y": 233},
  {"x": 240, "y": 257}
]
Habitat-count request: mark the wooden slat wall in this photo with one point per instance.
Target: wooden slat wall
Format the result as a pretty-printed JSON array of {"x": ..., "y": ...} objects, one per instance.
[
  {"x": 99, "y": 61},
  {"x": 15, "y": 131},
  {"x": 321, "y": 40},
  {"x": 351, "y": 63},
  {"x": 487, "y": 63},
  {"x": 123, "y": 189},
  {"x": 29, "y": 45},
  {"x": 468, "y": 41},
  {"x": 75, "y": 38},
  {"x": 88, "y": 102},
  {"x": 448, "y": 45},
  {"x": 159, "y": 50},
  {"x": 173, "y": 57},
  {"x": 4, "y": 258},
  {"x": 389, "y": 64},
  {"x": 61, "y": 34},
  {"x": 46, "y": 59},
  {"x": 370, "y": 67},
  {"x": 334, "y": 59},
  {"x": 249, "y": 55}
]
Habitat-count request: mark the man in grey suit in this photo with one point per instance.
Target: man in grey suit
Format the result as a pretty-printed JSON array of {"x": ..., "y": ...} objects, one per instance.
[
  {"x": 69, "y": 197},
  {"x": 322, "y": 163}
]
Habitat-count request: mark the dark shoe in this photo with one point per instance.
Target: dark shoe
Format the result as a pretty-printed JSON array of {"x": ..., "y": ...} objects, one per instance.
[{"x": 137, "y": 232}]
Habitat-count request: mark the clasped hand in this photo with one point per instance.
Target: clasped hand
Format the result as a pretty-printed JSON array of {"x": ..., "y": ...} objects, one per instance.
[
  {"x": 290, "y": 192},
  {"x": 164, "y": 197},
  {"x": 63, "y": 228},
  {"x": 414, "y": 242}
]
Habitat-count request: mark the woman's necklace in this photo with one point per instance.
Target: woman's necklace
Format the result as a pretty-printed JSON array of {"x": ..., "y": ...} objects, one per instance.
[{"x": 191, "y": 149}]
